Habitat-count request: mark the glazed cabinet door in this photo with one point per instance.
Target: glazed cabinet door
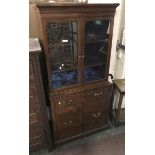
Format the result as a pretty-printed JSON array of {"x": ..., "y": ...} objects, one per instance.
[
  {"x": 98, "y": 104},
  {"x": 62, "y": 52},
  {"x": 96, "y": 49}
]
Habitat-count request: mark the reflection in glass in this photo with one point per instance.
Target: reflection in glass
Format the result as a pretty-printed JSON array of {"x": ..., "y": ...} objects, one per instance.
[
  {"x": 96, "y": 49},
  {"x": 62, "y": 44}
]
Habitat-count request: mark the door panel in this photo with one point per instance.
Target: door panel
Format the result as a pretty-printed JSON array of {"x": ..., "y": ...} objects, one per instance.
[
  {"x": 62, "y": 47},
  {"x": 69, "y": 121},
  {"x": 96, "y": 46}
]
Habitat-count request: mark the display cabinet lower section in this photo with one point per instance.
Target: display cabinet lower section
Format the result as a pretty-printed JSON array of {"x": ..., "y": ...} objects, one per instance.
[{"x": 77, "y": 113}]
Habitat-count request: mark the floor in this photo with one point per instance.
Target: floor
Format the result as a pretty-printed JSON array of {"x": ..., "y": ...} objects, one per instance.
[{"x": 107, "y": 142}]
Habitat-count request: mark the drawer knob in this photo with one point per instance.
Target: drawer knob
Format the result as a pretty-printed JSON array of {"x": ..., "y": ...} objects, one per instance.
[
  {"x": 65, "y": 124},
  {"x": 97, "y": 115},
  {"x": 31, "y": 96},
  {"x": 68, "y": 102},
  {"x": 98, "y": 94},
  {"x": 70, "y": 123},
  {"x": 94, "y": 115},
  {"x": 59, "y": 102},
  {"x": 83, "y": 56}
]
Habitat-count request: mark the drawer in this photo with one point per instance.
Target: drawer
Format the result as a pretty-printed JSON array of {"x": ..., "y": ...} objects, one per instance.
[
  {"x": 37, "y": 138},
  {"x": 60, "y": 102},
  {"x": 69, "y": 121},
  {"x": 98, "y": 92}
]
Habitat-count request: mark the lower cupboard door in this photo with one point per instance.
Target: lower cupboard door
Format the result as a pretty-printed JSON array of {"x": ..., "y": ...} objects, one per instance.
[
  {"x": 69, "y": 121},
  {"x": 98, "y": 112}
]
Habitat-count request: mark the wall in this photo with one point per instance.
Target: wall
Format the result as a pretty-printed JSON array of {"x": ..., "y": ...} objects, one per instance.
[
  {"x": 119, "y": 57},
  {"x": 33, "y": 22}
]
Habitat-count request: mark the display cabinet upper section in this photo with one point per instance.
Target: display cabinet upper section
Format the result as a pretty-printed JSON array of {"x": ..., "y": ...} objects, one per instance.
[{"x": 76, "y": 39}]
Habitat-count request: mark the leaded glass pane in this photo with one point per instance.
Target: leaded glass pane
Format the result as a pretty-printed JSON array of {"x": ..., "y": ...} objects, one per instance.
[{"x": 62, "y": 45}]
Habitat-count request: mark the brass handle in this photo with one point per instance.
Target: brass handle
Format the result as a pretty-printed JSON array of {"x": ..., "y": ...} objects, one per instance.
[
  {"x": 79, "y": 56},
  {"x": 32, "y": 114},
  {"x": 70, "y": 123},
  {"x": 97, "y": 115},
  {"x": 83, "y": 56},
  {"x": 65, "y": 124},
  {"x": 98, "y": 94},
  {"x": 94, "y": 115},
  {"x": 67, "y": 102}
]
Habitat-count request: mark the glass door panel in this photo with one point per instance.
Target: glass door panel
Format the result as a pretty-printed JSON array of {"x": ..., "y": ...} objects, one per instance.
[
  {"x": 96, "y": 43},
  {"x": 62, "y": 45}
]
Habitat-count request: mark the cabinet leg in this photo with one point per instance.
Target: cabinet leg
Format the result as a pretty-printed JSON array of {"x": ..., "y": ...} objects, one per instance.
[
  {"x": 111, "y": 105},
  {"x": 119, "y": 108}
]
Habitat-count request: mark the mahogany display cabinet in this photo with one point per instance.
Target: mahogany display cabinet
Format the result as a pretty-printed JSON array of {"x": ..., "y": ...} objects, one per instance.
[{"x": 76, "y": 39}]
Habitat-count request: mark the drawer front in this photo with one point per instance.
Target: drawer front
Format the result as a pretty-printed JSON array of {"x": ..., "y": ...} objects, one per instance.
[
  {"x": 69, "y": 121},
  {"x": 37, "y": 139},
  {"x": 98, "y": 104},
  {"x": 68, "y": 100}
]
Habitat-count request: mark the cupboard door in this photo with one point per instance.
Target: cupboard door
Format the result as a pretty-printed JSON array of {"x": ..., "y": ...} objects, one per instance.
[
  {"x": 98, "y": 104},
  {"x": 96, "y": 47},
  {"x": 69, "y": 121},
  {"x": 62, "y": 49}
]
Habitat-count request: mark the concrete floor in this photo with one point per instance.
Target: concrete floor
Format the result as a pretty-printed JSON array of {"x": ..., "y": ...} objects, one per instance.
[{"x": 107, "y": 142}]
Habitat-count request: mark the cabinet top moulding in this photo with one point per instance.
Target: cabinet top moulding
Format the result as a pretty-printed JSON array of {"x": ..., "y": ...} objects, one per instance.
[{"x": 46, "y": 7}]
